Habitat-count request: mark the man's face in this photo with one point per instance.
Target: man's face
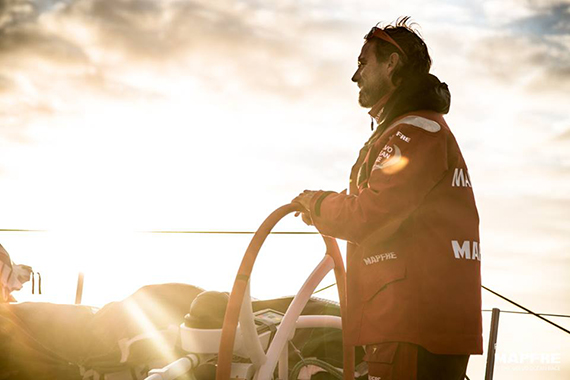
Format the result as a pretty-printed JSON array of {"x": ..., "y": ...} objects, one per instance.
[{"x": 371, "y": 76}]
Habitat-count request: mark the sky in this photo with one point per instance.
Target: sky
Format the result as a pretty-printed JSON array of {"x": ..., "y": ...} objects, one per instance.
[{"x": 122, "y": 116}]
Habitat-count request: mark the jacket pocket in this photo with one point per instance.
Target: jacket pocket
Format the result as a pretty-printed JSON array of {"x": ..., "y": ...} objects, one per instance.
[
  {"x": 381, "y": 353},
  {"x": 379, "y": 270}
]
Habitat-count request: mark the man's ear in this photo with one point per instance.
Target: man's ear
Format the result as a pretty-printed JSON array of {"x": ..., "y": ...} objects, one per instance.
[{"x": 393, "y": 61}]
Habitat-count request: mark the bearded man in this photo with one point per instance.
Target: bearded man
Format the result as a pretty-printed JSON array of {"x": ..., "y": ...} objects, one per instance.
[{"x": 410, "y": 219}]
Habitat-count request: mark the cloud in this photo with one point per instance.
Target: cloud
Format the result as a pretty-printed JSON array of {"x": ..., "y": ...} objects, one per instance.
[
  {"x": 6, "y": 84},
  {"x": 187, "y": 93},
  {"x": 16, "y": 11},
  {"x": 284, "y": 66},
  {"x": 564, "y": 137},
  {"x": 103, "y": 45},
  {"x": 547, "y": 19},
  {"x": 31, "y": 39},
  {"x": 507, "y": 85},
  {"x": 520, "y": 43},
  {"x": 519, "y": 12},
  {"x": 535, "y": 64},
  {"x": 245, "y": 40}
]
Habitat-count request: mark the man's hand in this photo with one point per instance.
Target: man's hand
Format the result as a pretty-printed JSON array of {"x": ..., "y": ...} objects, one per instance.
[{"x": 304, "y": 199}]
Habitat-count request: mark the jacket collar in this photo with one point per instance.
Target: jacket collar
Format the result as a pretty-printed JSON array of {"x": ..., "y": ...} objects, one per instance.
[{"x": 376, "y": 110}]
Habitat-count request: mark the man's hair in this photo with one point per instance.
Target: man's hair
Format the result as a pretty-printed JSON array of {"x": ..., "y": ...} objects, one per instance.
[{"x": 417, "y": 61}]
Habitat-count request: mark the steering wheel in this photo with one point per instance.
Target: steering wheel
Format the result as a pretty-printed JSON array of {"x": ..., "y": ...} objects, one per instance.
[{"x": 240, "y": 307}]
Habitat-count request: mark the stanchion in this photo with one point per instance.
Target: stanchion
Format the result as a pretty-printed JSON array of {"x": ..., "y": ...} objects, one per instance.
[{"x": 492, "y": 344}]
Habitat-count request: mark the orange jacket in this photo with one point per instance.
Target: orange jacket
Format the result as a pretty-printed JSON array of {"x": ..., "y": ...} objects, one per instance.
[{"x": 413, "y": 256}]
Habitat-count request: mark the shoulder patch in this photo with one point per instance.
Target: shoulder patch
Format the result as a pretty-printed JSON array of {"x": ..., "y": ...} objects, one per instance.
[{"x": 420, "y": 122}]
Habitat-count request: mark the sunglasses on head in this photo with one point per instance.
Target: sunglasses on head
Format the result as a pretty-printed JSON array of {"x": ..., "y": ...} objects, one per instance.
[{"x": 376, "y": 32}]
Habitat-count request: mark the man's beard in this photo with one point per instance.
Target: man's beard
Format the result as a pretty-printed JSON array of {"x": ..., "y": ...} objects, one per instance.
[
  {"x": 371, "y": 93},
  {"x": 368, "y": 97}
]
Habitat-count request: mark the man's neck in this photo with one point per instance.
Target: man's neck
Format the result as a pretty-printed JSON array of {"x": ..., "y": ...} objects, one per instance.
[{"x": 377, "y": 108}]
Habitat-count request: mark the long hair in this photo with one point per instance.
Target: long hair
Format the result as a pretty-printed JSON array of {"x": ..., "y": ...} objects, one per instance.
[{"x": 417, "y": 60}]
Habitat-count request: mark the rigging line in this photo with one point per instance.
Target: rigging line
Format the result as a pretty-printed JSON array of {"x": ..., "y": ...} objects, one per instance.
[
  {"x": 233, "y": 232},
  {"x": 525, "y": 309},
  {"x": 188, "y": 232},
  {"x": 523, "y": 312},
  {"x": 325, "y": 288},
  {"x": 19, "y": 230},
  {"x": 528, "y": 311}
]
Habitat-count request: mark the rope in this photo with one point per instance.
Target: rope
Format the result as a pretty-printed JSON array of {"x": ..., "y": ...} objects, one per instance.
[
  {"x": 524, "y": 312},
  {"x": 233, "y": 232},
  {"x": 19, "y": 230},
  {"x": 189, "y": 232},
  {"x": 325, "y": 288},
  {"x": 527, "y": 310}
]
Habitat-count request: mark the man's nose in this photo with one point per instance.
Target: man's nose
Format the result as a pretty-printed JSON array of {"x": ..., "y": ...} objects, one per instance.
[{"x": 356, "y": 76}]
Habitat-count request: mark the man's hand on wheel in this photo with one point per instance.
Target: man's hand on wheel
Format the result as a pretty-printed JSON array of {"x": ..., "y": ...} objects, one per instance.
[{"x": 304, "y": 199}]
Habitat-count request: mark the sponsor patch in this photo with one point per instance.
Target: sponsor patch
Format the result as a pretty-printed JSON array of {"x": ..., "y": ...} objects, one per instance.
[
  {"x": 467, "y": 250},
  {"x": 389, "y": 156},
  {"x": 390, "y": 160},
  {"x": 460, "y": 178},
  {"x": 379, "y": 258},
  {"x": 403, "y": 137}
]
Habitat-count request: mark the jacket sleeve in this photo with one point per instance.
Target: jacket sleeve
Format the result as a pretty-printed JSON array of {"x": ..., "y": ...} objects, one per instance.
[{"x": 408, "y": 166}]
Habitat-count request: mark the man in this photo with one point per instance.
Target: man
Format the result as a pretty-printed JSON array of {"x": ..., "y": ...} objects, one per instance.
[
  {"x": 413, "y": 256},
  {"x": 12, "y": 276}
]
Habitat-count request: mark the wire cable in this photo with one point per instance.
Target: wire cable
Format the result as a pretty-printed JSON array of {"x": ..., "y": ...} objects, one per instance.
[
  {"x": 19, "y": 230},
  {"x": 525, "y": 313},
  {"x": 188, "y": 232},
  {"x": 527, "y": 310},
  {"x": 233, "y": 232},
  {"x": 325, "y": 288}
]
